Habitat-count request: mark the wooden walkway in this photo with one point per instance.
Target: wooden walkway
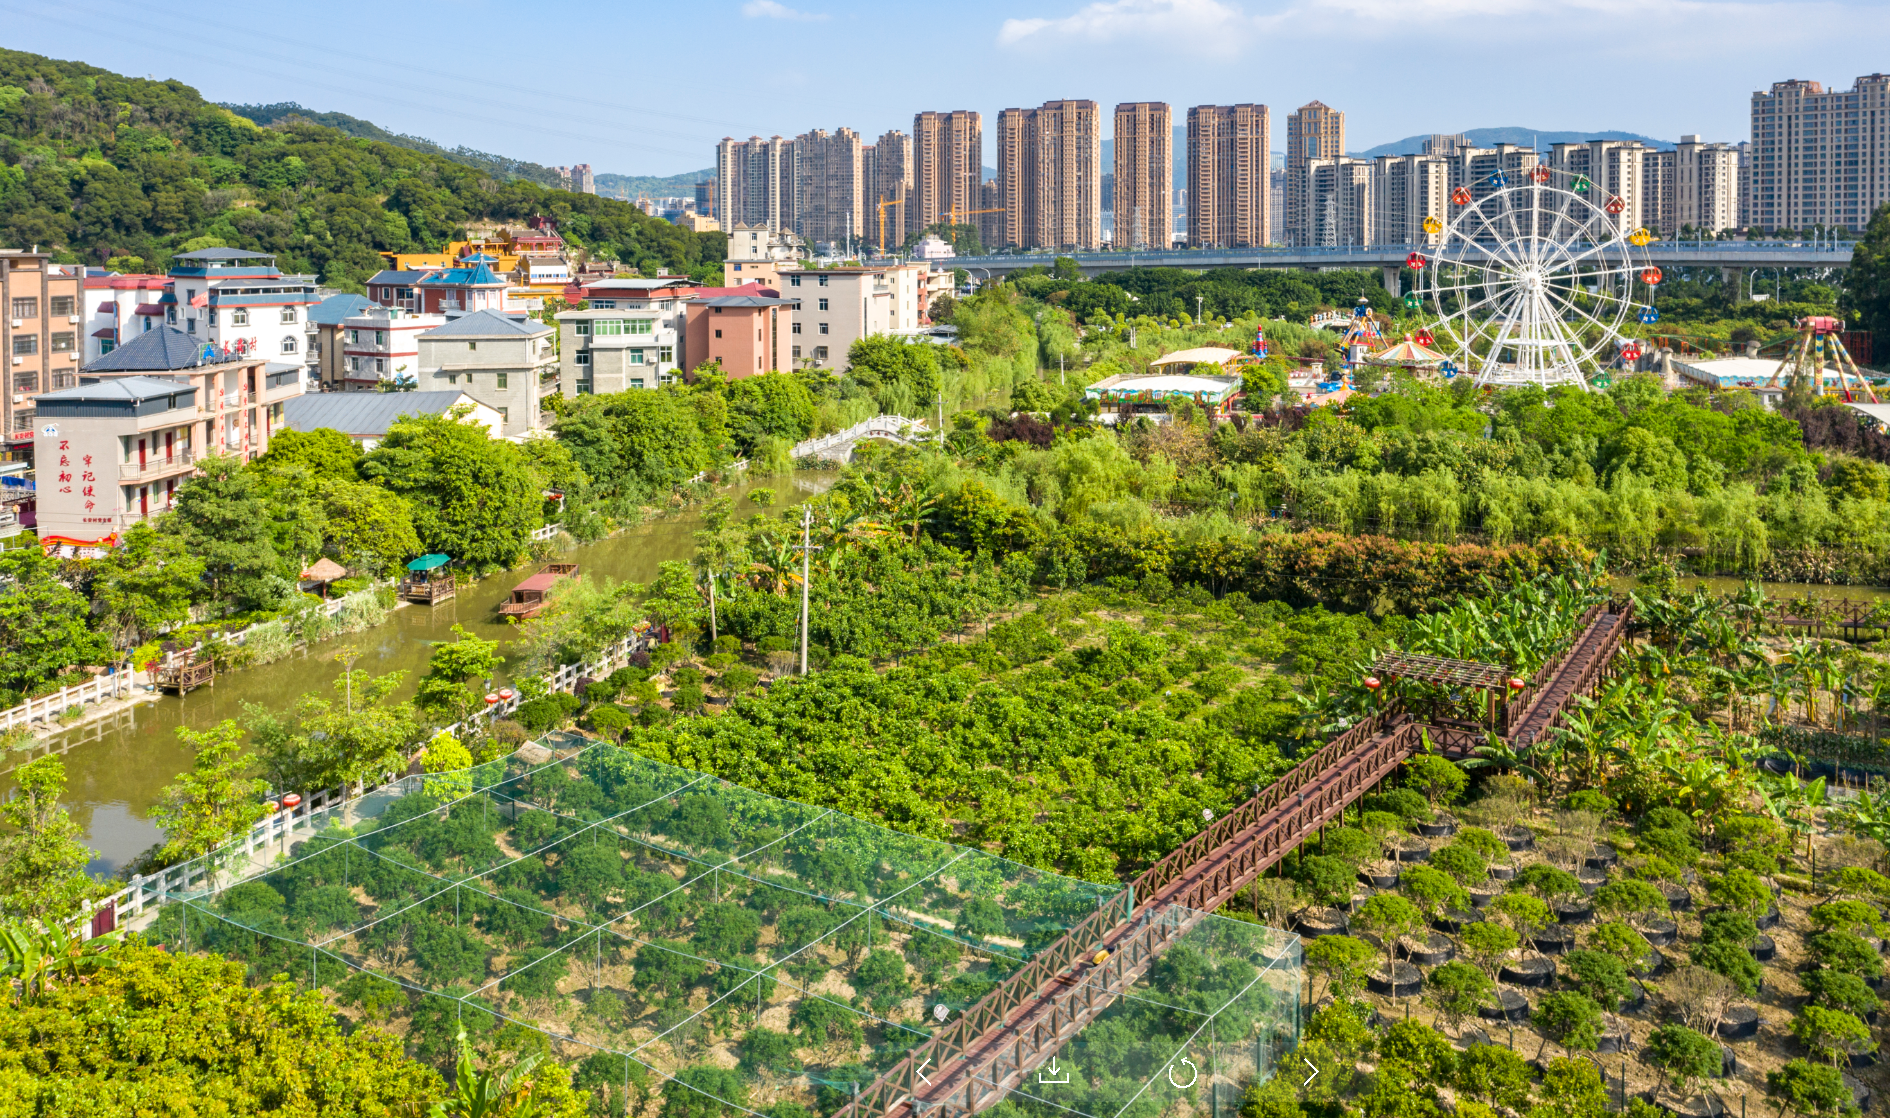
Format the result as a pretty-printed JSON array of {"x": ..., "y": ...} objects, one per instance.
[{"x": 978, "y": 1058}]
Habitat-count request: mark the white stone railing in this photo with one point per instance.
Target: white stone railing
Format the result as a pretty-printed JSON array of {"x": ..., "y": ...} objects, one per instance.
[
  {"x": 49, "y": 707},
  {"x": 839, "y": 445}
]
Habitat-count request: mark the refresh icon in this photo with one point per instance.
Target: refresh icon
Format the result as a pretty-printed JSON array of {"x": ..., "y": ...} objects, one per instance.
[{"x": 1193, "y": 1073}]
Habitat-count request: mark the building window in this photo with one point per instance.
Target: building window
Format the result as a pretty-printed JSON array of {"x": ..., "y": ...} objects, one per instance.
[
  {"x": 212, "y": 316},
  {"x": 584, "y": 388},
  {"x": 239, "y": 318},
  {"x": 288, "y": 316},
  {"x": 823, "y": 328},
  {"x": 354, "y": 336},
  {"x": 505, "y": 415},
  {"x": 718, "y": 333},
  {"x": 797, "y": 353},
  {"x": 380, "y": 337},
  {"x": 105, "y": 346},
  {"x": 823, "y": 281},
  {"x": 170, "y": 314},
  {"x": 380, "y": 366},
  {"x": 603, "y": 304},
  {"x": 498, "y": 380},
  {"x": 472, "y": 345},
  {"x": 636, "y": 357},
  {"x": 637, "y": 383},
  {"x": 820, "y": 353},
  {"x": 794, "y": 281},
  {"x": 583, "y": 327},
  {"x": 288, "y": 345},
  {"x": 582, "y": 359},
  {"x": 59, "y": 306},
  {"x": 26, "y": 308},
  {"x": 63, "y": 343},
  {"x": 795, "y": 328},
  {"x": 354, "y": 364},
  {"x": 665, "y": 354},
  {"x": 26, "y": 382},
  {"x": 823, "y": 305}
]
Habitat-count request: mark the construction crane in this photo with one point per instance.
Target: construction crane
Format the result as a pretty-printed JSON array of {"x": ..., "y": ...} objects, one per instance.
[
  {"x": 882, "y": 220},
  {"x": 957, "y": 213}
]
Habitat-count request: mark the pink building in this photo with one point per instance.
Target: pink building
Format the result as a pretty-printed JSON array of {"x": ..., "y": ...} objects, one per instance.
[{"x": 748, "y": 334}]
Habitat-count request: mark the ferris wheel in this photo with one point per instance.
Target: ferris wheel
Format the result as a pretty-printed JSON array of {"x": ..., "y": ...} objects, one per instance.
[{"x": 1532, "y": 279}]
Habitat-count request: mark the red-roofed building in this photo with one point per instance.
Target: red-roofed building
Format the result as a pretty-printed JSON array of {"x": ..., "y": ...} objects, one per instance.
[{"x": 111, "y": 312}]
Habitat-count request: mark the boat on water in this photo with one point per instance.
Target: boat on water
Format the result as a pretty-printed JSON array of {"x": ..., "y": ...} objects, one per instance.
[{"x": 529, "y": 598}]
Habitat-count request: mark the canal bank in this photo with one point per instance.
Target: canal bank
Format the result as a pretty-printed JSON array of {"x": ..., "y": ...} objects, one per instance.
[{"x": 117, "y": 767}]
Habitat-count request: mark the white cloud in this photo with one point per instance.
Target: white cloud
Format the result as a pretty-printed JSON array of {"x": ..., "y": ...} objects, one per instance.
[
  {"x": 1208, "y": 25},
  {"x": 774, "y": 9}
]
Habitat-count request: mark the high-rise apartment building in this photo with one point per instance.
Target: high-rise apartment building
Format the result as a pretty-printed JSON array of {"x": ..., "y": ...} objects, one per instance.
[
  {"x": 1050, "y": 175},
  {"x": 890, "y": 181},
  {"x": 1313, "y": 131},
  {"x": 1338, "y": 202},
  {"x": 1615, "y": 168},
  {"x": 1230, "y": 182},
  {"x": 1406, "y": 189},
  {"x": 827, "y": 201},
  {"x": 1820, "y": 158},
  {"x": 991, "y": 220},
  {"x": 754, "y": 182},
  {"x": 1482, "y": 170},
  {"x": 1276, "y": 206},
  {"x": 1145, "y": 175},
  {"x": 947, "y": 166},
  {"x": 1696, "y": 186}
]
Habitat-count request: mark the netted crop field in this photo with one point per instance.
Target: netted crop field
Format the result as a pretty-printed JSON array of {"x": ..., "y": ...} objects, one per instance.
[{"x": 677, "y": 936}]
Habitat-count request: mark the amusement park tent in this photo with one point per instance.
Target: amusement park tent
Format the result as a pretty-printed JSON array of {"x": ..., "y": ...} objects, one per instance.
[
  {"x": 1407, "y": 354},
  {"x": 1165, "y": 386},
  {"x": 1206, "y": 355}
]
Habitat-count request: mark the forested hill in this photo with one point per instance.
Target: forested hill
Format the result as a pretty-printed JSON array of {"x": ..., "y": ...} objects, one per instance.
[
  {"x": 97, "y": 166},
  {"x": 497, "y": 166}
]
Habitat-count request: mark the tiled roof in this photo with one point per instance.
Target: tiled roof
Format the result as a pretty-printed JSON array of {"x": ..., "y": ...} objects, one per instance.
[
  {"x": 223, "y": 254},
  {"x": 476, "y": 276},
  {"x": 403, "y": 278},
  {"x": 363, "y": 414},
  {"x": 158, "y": 349},
  {"x": 488, "y": 324},
  {"x": 745, "y": 301}
]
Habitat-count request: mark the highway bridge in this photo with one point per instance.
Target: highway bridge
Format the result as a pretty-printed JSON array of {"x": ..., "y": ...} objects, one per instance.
[
  {"x": 987, "y": 1051},
  {"x": 1735, "y": 256}
]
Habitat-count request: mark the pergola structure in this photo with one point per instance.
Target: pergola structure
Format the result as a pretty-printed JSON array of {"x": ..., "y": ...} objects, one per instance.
[{"x": 1453, "y": 675}]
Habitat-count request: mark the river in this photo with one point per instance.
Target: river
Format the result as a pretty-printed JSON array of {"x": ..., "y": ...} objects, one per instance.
[{"x": 115, "y": 776}]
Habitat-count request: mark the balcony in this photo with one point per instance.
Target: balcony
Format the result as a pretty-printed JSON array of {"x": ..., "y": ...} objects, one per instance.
[{"x": 179, "y": 462}]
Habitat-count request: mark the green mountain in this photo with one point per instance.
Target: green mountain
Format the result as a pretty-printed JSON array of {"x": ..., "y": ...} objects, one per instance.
[
  {"x": 497, "y": 166},
  {"x": 100, "y": 166},
  {"x": 656, "y": 186},
  {"x": 1521, "y": 137}
]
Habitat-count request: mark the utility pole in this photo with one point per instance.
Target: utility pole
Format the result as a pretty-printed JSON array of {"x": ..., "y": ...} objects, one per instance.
[{"x": 807, "y": 548}]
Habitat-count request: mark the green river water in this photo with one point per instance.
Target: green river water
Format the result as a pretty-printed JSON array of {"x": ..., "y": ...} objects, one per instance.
[{"x": 117, "y": 770}]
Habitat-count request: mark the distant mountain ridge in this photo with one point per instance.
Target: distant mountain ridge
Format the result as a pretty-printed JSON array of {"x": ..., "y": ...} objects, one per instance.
[
  {"x": 496, "y": 165},
  {"x": 629, "y": 187},
  {"x": 1521, "y": 137}
]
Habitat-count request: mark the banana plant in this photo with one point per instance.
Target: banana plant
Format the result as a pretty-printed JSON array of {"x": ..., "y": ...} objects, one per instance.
[
  {"x": 35, "y": 957},
  {"x": 1497, "y": 755},
  {"x": 1867, "y": 816},
  {"x": 483, "y": 1094}
]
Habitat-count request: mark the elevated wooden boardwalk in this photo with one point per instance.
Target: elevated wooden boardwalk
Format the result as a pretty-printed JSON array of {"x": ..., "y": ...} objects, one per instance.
[{"x": 971, "y": 1063}]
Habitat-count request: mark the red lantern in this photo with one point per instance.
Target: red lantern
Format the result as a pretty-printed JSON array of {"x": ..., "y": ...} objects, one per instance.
[
  {"x": 1515, "y": 683},
  {"x": 1460, "y": 196},
  {"x": 1371, "y": 683},
  {"x": 492, "y": 698},
  {"x": 291, "y": 801},
  {"x": 1415, "y": 261},
  {"x": 1540, "y": 174},
  {"x": 1650, "y": 276},
  {"x": 505, "y": 694},
  {"x": 1616, "y": 204}
]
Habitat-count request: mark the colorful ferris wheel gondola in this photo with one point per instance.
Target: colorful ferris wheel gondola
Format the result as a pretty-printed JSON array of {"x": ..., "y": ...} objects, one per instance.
[
  {"x": 1460, "y": 196},
  {"x": 1649, "y": 316},
  {"x": 1539, "y": 174},
  {"x": 1650, "y": 276}
]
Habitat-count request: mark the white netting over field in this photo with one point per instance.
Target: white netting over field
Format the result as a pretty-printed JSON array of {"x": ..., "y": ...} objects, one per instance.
[{"x": 677, "y": 935}]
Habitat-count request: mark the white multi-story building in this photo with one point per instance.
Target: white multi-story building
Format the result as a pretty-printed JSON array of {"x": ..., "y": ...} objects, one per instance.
[
  {"x": 1696, "y": 186},
  {"x": 240, "y": 303},
  {"x": 383, "y": 344},
  {"x": 1818, "y": 157},
  {"x": 505, "y": 361},
  {"x": 112, "y": 310},
  {"x": 1337, "y": 202},
  {"x": 1406, "y": 189},
  {"x": 1615, "y": 169},
  {"x": 607, "y": 350},
  {"x": 839, "y": 306}
]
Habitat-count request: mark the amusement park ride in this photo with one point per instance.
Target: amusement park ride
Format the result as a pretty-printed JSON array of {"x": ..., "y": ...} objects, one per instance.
[{"x": 1817, "y": 344}]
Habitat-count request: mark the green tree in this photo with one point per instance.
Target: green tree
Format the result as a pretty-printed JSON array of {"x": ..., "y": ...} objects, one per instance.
[
  {"x": 1571, "y": 1019},
  {"x": 1571, "y": 1088},
  {"x": 1684, "y": 1054},
  {"x": 213, "y": 802},
  {"x": 1600, "y": 976},
  {"x": 457, "y": 672},
  {"x": 223, "y": 522},
  {"x": 1867, "y": 280},
  {"x": 1389, "y": 916},
  {"x": 1832, "y": 1033},
  {"x": 1802, "y": 1087},
  {"x": 144, "y": 586},
  {"x": 473, "y": 497},
  {"x": 1441, "y": 781},
  {"x": 1342, "y": 959},
  {"x": 367, "y": 528},
  {"x": 1489, "y": 943},
  {"x": 210, "y": 1037},
  {"x": 1433, "y": 891},
  {"x": 324, "y": 452},
  {"x": 42, "y": 624},
  {"x": 772, "y": 405},
  {"x": 1326, "y": 879},
  {"x": 1495, "y": 1075},
  {"x": 353, "y": 735},
  {"x": 42, "y": 861},
  {"x": 1456, "y": 990}
]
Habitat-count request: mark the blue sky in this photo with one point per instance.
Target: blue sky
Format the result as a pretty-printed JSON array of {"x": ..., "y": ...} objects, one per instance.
[{"x": 645, "y": 88}]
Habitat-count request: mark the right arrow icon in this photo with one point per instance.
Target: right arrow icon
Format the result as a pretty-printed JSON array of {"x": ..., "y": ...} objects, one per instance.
[{"x": 1315, "y": 1070}]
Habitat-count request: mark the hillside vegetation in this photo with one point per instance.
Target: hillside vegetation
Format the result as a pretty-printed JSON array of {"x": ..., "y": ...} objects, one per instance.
[{"x": 101, "y": 167}]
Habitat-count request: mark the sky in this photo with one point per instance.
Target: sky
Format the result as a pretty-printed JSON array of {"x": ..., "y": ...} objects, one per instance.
[{"x": 647, "y": 89}]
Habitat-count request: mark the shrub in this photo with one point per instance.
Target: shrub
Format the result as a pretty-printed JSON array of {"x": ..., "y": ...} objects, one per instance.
[
  {"x": 1441, "y": 781},
  {"x": 1854, "y": 917},
  {"x": 1344, "y": 1026},
  {"x": 1732, "y": 961},
  {"x": 1670, "y": 846},
  {"x": 1484, "y": 842},
  {"x": 1628, "y": 897},
  {"x": 1342, "y": 959},
  {"x": 1684, "y": 1054},
  {"x": 1571, "y": 1019},
  {"x": 1496, "y": 1075},
  {"x": 1590, "y": 800},
  {"x": 1432, "y": 890},
  {"x": 1601, "y": 976},
  {"x": 1835, "y": 989},
  {"x": 1857, "y": 881},
  {"x": 1622, "y": 942},
  {"x": 1350, "y": 845},
  {"x": 1389, "y": 916},
  {"x": 1668, "y": 819},
  {"x": 1832, "y": 1033},
  {"x": 1409, "y": 806},
  {"x": 1380, "y": 823},
  {"x": 1728, "y": 927},
  {"x": 1802, "y": 1087},
  {"x": 1842, "y": 951},
  {"x": 541, "y": 714},
  {"x": 714, "y": 1090},
  {"x": 1421, "y": 1048},
  {"x": 1462, "y": 863},
  {"x": 1741, "y": 890},
  {"x": 1488, "y": 943},
  {"x": 1527, "y": 914},
  {"x": 1547, "y": 882},
  {"x": 1456, "y": 989},
  {"x": 1327, "y": 880}
]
